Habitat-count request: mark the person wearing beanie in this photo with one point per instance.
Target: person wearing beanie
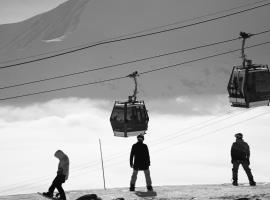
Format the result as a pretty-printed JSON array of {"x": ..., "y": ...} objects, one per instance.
[
  {"x": 240, "y": 154},
  {"x": 140, "y": 161}
]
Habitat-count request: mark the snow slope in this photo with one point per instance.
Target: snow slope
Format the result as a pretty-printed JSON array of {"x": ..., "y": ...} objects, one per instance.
[
  {"x": 189, "y": 192},
  {"x": 45, "y": 27},
  {"x": 78, "y": 22}
]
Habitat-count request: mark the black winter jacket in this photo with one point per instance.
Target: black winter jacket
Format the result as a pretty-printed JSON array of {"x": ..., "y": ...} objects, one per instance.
[
  {"x": 240, "y": 150},
  {"x": 140, "y": 154}
]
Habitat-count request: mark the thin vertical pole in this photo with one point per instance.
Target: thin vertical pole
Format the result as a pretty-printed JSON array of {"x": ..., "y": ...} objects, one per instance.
[{"x": 102, "y": 164}]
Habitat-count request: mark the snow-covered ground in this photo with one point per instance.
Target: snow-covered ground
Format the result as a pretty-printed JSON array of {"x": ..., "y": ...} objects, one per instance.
[{"x": 196, "y": 192}]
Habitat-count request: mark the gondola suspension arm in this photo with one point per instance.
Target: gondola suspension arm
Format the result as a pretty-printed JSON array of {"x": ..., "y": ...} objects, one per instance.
[
  {"x": 133, "y": 97},
  {"x": 244, "y": 36}
]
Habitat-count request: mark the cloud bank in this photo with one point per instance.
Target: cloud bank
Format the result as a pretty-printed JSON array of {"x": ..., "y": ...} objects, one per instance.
[{"x": 183, "y": 141}]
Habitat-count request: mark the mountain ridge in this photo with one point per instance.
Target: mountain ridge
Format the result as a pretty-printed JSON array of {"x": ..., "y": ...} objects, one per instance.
[{"x": 78, "y": 22}]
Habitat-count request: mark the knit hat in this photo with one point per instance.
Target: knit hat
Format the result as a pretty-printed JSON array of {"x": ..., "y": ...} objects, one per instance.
[
  {"x": 140, "y": 136},
  {"x": 239, "y": 135}
]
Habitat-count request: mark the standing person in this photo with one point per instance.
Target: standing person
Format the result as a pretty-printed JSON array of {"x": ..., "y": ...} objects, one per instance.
[
  {"x": 240, "y": 154},
  {"x": 61, "y": 177},
  {"x": 140, "y": 154}
]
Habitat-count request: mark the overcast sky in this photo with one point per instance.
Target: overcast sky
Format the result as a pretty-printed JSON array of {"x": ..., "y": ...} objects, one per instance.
[{"x": 191, "y": 126}]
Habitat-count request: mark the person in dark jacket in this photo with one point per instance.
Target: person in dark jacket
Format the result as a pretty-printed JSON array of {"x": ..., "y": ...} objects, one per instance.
[
  {"x": 240, "y": 154},
  {"x": 61, "y": 177},
  {"x": 140, "y": 160}
]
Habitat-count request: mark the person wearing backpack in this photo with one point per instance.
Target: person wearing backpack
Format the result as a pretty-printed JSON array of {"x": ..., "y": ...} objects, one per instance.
[{"x": 240, "y": 154}]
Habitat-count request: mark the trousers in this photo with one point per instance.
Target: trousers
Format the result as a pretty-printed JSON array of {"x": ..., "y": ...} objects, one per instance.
[
  {"x": 245, "y": 165},
  {"x": 57, "y": 183},
  {"x": 147, "y": 177}
]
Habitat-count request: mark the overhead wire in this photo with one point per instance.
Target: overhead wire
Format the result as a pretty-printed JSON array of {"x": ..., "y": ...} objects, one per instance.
[
  {"x": 182, "y": 132},
  {"x": 35, "y": 182},
  {"x": 26, "y": 183},
  {"x": 116, "y": 65},
  {"x": 46, "y": 177},
  {"x": 194, "y": 18},
  {"x": 198, "y": 126},
  {"x": 203, "y": 58},
  {"x": 222, "y": 128},
  {"x": 181, "y": 64},
  {"x": 27, "y": 186},
  {"x": 127, "y": 62},
  {"x": 191, "y": 139},
  {"x": 200, "y": 136},
  {"x": 134, "y": 37},
  {"x": 154, "y": 151},
  {"x": 138, "y": 32},
  {"x": 193, "y": 128},
  {"x": 123, "y": 77},
  {"x": 185, "y": 141}
]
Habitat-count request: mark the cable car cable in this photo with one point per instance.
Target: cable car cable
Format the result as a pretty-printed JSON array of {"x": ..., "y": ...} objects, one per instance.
[
  {"x": 191, "y": 129},
  {"x": 125, "y": 63},
  {"x": 132, "y": 33},
  {"x": 208, "y": 133},
  {"x": 222, "y": 128},
  {"x": 111, "y": 157},
  {"x": 134, "y": 37},
  {"x": 197, "y": 137},
  {"x": 154, "y": 151},
  {"x": 199, "y": 59},
  {"x": 122, "y": 77},
  {"x": 128, "y": 62},
  {"x": 146, "y": 30},
  {"x": 196, "y": 127},
  {"x": 116, "y": 65}
]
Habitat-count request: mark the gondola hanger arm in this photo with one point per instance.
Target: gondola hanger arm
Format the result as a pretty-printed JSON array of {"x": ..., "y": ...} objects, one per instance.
[
  {"x": 133, "y": 97},
  {"x": 244, "y": 36}
]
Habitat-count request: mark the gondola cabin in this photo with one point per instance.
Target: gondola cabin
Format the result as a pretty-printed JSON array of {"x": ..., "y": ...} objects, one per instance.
[
  {"x": 129, "y": 118},
  {"x": 249, "y": 86}
]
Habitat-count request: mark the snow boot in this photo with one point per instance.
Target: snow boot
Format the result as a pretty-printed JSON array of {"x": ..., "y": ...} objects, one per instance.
[
  {"x": 132, "y": 188},
  {"x": 47, "y": 194},
  {"x": 252, "y": 183},
  {"x": 235, "y": 183},
  {"x": 149, "y": 188}
]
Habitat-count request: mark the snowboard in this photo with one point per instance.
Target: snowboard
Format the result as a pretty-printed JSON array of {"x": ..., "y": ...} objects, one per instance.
[
  {"x": 146, "y": 194},
  {"x": 53, "y": 198}
]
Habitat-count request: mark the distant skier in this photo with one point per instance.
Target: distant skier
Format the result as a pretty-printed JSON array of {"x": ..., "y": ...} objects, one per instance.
[
  {"x": 61, "y": 177},
  {"x": 240, "y": 154},
  {"x": 140, "y": 154}
]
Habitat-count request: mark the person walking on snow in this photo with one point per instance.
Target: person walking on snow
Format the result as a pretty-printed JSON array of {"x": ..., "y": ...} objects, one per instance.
[
  {"x": 240, "y": 154},
  {"x": 140, "y": 160},
  {"x": 61, "y": 177}
]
